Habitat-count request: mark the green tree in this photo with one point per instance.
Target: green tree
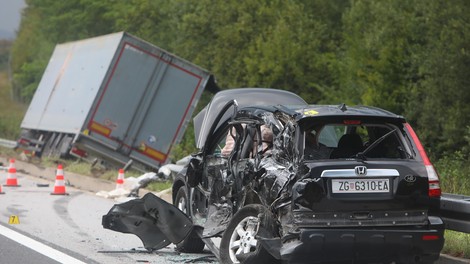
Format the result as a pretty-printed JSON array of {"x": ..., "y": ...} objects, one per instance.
[
  {"x": 439, "y": 101},
  {"x": 5, "y": 46},
  {"x": 30, "y": 54},
  {"x": 280, "y": 44},
  {"x": 155, "y": 20},
  {"x": 46, "y": 23},
  {"x": 378, "y": 46}
]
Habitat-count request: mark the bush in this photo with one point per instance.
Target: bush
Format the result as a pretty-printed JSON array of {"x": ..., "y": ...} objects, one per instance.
[
  {"x": 453, "y": 171},
  {"x": 11, "y": 113}
]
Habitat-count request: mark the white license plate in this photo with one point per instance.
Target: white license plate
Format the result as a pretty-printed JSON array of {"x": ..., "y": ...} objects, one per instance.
[{"x": 360, "y": 185}]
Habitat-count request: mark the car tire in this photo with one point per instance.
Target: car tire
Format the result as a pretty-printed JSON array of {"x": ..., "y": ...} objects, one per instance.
[
  {"x": 181, "y": 200},
  {"x": 192, "y": 243},
  {"x": 244, "y": 221}
]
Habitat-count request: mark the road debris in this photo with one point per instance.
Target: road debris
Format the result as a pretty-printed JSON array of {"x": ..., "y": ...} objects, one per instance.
[{"x": 130, "y": 187}]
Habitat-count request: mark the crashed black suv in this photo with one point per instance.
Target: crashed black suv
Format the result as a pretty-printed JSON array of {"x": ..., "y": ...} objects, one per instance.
[{"x": 283, "y": 181}]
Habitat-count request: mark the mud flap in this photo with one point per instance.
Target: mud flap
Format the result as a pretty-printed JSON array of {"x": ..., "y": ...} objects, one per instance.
[{"x": 156, "y": 222}]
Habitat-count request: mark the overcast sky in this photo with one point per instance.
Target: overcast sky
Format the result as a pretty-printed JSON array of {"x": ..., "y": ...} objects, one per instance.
[{"x": 10, "y": 15}]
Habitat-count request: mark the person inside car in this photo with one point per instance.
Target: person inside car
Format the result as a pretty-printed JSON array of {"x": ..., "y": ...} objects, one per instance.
[
  {"x": 314, "y": 150},
  {"x": 266, "y": 140},
  {"x": 229, "y": 143}
]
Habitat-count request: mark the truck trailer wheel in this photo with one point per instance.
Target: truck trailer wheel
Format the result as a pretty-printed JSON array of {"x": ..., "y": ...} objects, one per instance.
[{"x": 192, "y": 243}]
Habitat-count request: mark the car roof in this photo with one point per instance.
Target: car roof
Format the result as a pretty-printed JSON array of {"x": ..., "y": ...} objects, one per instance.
[
  {"x": 337, "y": 113},
  {"x": 300, "y": 112},
  {"x": 342, "y": 110}
]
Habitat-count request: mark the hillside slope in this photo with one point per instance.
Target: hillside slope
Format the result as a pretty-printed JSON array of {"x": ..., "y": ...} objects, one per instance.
[{"x": 11, "y": 113}]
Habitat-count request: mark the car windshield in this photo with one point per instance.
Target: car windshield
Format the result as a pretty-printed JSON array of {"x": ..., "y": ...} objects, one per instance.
[{"x": 354, "y": 140}]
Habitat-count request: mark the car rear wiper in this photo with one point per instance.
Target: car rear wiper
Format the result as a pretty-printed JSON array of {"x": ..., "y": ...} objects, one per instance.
[
  {"x": 362, "y": 155},
  {"x": 402, "y": 150}
]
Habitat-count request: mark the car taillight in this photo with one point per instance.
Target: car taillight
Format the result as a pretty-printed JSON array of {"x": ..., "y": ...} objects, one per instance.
[
  {"x": 23, "y": 141},
  {"x": 352, "y": 122},
  {"x": 430, "y": 237},
  {"x": 433, "y": 177}
]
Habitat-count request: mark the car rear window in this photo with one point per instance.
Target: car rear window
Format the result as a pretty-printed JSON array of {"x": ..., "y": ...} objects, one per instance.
[{"x": 343, "y": 141}]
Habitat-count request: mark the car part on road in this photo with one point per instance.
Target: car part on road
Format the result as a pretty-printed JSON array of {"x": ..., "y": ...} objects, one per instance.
[
  {"x": 156, "y": 222},
  {"x": 193, "y": 242}
]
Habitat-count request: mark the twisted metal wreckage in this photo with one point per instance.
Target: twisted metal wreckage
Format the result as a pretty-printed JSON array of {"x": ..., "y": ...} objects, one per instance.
[{"x": 286, "y": 199}]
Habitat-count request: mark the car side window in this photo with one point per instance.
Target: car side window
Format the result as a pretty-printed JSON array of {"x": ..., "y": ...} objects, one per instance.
[
  {"x": 328, "y": 135},
  {"x": 319, "y": 141}
]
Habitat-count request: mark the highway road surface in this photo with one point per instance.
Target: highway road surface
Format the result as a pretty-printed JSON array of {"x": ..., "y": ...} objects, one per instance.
[{"x": 40, "y": 228}]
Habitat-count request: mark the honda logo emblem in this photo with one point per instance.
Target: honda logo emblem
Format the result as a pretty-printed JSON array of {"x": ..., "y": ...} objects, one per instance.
[
  {"x": 410, "y": 178},
  {"x": 360, "y": 170}
]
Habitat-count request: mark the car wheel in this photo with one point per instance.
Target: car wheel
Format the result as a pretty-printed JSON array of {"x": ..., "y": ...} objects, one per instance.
[
  {"x": 192, "y": 243},
  {"x": 239, "y": 243},
  {"x": 181, "y": 200}
]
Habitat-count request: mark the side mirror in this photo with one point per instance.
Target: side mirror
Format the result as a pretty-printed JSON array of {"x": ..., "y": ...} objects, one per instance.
[{"x": 194, "y": 175}]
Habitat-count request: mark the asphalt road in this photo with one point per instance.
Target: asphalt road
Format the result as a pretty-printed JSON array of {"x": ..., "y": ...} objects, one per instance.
[
  {"x": 14, "y": 252},
  {"x": 67, "y": 228}
]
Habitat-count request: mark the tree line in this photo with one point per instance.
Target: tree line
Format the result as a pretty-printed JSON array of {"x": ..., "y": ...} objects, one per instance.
[
  {"x": 5, "y": 46},
  {"x": 411, "y": 57}
]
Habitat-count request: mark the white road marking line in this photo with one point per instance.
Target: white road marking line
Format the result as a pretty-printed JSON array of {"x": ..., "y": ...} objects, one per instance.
[{"x": 38, "y": 247}]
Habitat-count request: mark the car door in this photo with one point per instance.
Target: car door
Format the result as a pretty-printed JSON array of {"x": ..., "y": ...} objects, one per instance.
[{"x": 223, "y": 170}]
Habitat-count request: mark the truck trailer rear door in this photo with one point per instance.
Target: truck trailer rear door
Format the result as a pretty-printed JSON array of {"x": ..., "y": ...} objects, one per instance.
[{"x": 144, "y": 105}]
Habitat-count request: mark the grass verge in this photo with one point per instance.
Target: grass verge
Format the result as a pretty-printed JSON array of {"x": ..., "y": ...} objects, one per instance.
[{"x": 457, "y": 244}]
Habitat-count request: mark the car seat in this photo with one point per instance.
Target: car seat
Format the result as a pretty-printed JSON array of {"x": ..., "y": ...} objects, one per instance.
[{"x": 348, "y": 145}]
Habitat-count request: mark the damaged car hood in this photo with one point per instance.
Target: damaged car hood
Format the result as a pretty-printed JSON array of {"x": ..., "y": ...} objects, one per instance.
[{"x": 156, "y": 222}]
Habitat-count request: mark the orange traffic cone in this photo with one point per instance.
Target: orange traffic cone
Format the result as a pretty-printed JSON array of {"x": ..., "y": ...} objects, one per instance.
[
  {"x": 11, "y": 178},
  {"x": 59, "y": 186},
  {"x": 120, "y": 179},
  {"x": 1, "y": 190}
]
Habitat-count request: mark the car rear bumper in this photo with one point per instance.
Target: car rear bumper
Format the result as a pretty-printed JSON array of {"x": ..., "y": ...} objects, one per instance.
[{"x": 365, "y": 245}]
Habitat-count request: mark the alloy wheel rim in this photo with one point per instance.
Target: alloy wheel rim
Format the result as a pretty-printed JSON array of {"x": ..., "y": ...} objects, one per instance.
[
  {"x": 182, "y": 204},
  {"x": 243, "y": 240}
]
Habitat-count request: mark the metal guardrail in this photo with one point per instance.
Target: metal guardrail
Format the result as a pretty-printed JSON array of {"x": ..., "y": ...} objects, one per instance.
[
  {"x": 455, "y": 212},
  {"x": 7, "y": 143}
]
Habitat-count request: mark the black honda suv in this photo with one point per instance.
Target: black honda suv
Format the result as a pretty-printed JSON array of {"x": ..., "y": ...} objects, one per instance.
[{"x": 283, "y": 181}]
